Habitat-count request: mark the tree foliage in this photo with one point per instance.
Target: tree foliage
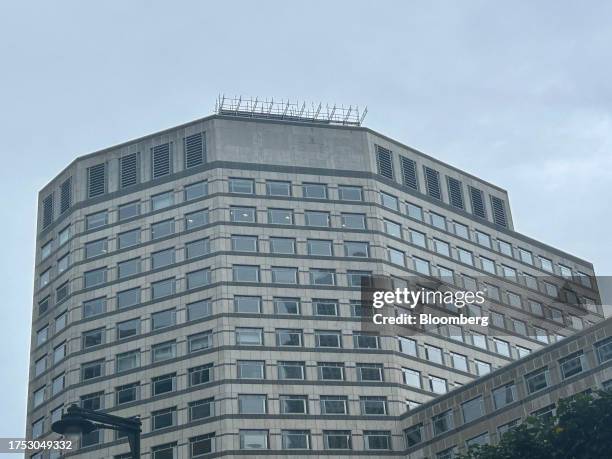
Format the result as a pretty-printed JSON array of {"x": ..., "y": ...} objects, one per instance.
[{"x": 581, "y": 429}]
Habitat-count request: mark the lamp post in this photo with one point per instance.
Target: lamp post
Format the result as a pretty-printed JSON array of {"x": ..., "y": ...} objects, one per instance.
[{"x": 81, "y": 421}]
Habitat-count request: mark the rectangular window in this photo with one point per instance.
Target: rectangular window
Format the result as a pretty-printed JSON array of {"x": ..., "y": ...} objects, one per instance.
[
  {"x": 293, "y": 404},
  {"x": 284, "y": 275},
  {"x": 328, "y": 338},
  {"x": 163, "y": 319},
  {"x": 163, "y": 384},
  {"x": 128, "y": 298},
  {"x": 546, "y": 264},
  {"x": 322, "y": 276},
  {"x": 396, "y": 256},
  {"x": 127, "y": 393},
  {"x": 482, "y": 368},
  {"x": 537, "y": 380},
  {"x": 414, "y": 435},
  {"x": 504, "y": 247},
  {"x": 287, "y": 306},
  {"x": 94, "y": 277},
  {"x": 433, "y": 354},
  {"x": 253, "y": 439},
  {"x": 331, "y": 371},
  {"x": 128, "y": 360},
  {"x": 242, "y": 243},
  {"x": 314, "y": 190},
  {"x": 163, "y": 418},
  {"x": 604, "y": 350},
  {"x": 162, "y": 258},
  {"x": 414, "y": 211},
  {"x": 164, "y": 451},
  {"x": 128, "y": 328},
  {"x": 317, "y": 218},
  {"x": 373, "y": 405},
  {"x": 353, "y": 221},
  {"x": 280, "y": 216},
  {"x": 199, "y": 309},
  {"x": 242, "y": 186},
  {"x": 334, "y": 404},
  {"x": 162, "y": 229},
  {"x": 325, "y": 307},
  {"x": 504, "y": 395},
  {"x": 200, "y": 374},
  {"x": 249, "y": 336},
  {"x": 201, "y": 445},
  {"x": 128, "y": 268},
  {"x": 94, "y": 307},
  {"x": 57, "y": 385},
  {"x": 442, "y": 422},
  {"x": 418, "y": 238},
  {"x": 162, "y": 288},
  {"x": 392, "y": 228},
  {"x": 407, "y": 346},
  {"x": 163, "y": 351},
  {"x": 437, "y": 220},
  {"x": 197, "y": 219},
  {"x": 245, "y": 273},
  {"x": 195, "y": 249},
  {"x": 337, "y": 439},
  {"x": 201, "y": 409},
  {"x": 251, "y": 369},
  {"x": 483, "y": 239},
  {"x": 93, "y": 338},
  {"x": 129, "y": 238},
  {"x": 461, "y": 230},
  {"x": 473, "y": 409},
  {"x": 196, "y": 190},
  {"x": 247, "y": 304},
  {"x": 242, "y": 214},
  {"x": 252, "y": 404},
  {"x": 96, "y": 220},
  {"x": 421, "y": 266},
  {"x": 438, "y": 385},
  {"x": 369, "y": 372},
  {"x": 412, "y": 377},
  {"x": 465, "y": 256},
  {"x": 282, "y": 245},
  {"x": 289, "y": 337},
  {"x": 572, "y": 365},
  {"x": 365, "y": 341},
  {"x": 162, "y": 200},
  {"x": 199, "y": 278},
  {"x": 350, "y": 193},
  {"x": 278, "y": 188},
  {"x": 63, "y": 263},
  {"x": 459, "y": 361},
  {"x": 291, "y": 370},
  {"x": 92, "y": 370},
  {"x": 389, "y": 201},
  {"x": 295, "y": 439},
  {"x": 319, "y": 247},
  {"x": 129, "y": 210}
]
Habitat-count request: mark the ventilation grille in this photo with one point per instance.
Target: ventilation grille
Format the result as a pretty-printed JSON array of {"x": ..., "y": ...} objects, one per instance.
[
  {"x": 96, "y": 179},
  {"x": 409, "y": 174},
  {"x": 195, "y": 146},
  {"x": 47, "y": 211},
  {"x": 432, "y": 183},
  {"x": 478, "y": 205},
  {"x": 161, "y": 160},
  {"x": 455, "y": 193},
  {"x": 66, "y": 195},
  {"x": 499, "y": 211},
  {"x": 128, "y": 165},
  {"x": 385, "y": 162}
]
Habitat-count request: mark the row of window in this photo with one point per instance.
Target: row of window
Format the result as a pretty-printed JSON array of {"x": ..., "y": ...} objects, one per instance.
[{"x": 507, "y": 394}]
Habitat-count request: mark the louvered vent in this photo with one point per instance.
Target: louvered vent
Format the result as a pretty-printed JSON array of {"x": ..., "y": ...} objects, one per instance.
[
  {"x": 195, "y": 150},
  {"x": 432, "y": 183},
  {"x": 455, "y": 193},
  {"x": 409, "y": 174},
  {"x": 499, "y": 211},
  {"x": 128, "y": 166},
  {"x": 96, "y": 180},
  {"x": 66, "y": 195},
  {"x": 161, "y": 160},
  {"x": 385, "y": 162},
  {"x": 478, "y": 205},
  {"x": 47, "y": 211}
]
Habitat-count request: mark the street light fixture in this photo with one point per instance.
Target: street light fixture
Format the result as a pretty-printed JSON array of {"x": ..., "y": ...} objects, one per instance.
[{"x": 81, "y": 421}]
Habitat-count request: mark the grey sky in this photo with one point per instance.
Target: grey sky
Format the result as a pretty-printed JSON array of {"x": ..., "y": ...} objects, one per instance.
[{"x": 519, "y": 94}]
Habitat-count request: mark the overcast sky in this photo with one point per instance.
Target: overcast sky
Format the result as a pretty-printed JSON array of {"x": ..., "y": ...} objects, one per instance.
[{"x": 520, "y": 95}]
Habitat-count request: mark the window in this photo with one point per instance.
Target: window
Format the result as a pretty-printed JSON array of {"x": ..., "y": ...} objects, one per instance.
[
  {"x": 514, "y": 300},
  {"x": 196, "y": 219},
  {"x": 482, "y": 368},
  {"x": 334, "y": 404},
  {"x": 253, "y": 439},
  {"x": 519, "y": 327},
  {"x": 37, "y": 428},
  {"x": 61, "y": 293},
  {"x": 282, "y": 245},
  {"x": 96, "y": 220},
  {"x": 418, "y": 238},
  {"x": 537, "y": 380},
  {"x": 479, "y": 340},
  {"x": 473, "y": 409},
  {"x": 200, "y": 374},
  {"x": 252, "y": 404},
  {"x": 94, "y": 307},
  {"x": 57, "y": 385},
  {"x": 249, "y": 336},
  {"x": 93, "y": 338},
  {"x": 94, "y": 277},
  {"x": 482, "y": 439},
  {"x": 314, "y": 190},
  {"x": 128, "y": 268},
  {"x": 483, "y": 239},
  {"x": 540, "y": 334},
  {"x": 455, "y": 333},
  {"x": 373, "y": 405},
  {"x": 163, "y": 418},
  {"x": 377, "y": 439},
  {"x": 337, "y": 439},
  {"x": 198, "y": 278},
  {"x": 442, "y": 247},
  {"x": 461, "y": 230},
  {"x": 242, "y": 243},
  {"x": 433, "y": 354},
  {"x": 502, "y": 347},
  {"x": 251, "y": 369},
  {"x": 316, "y": 218},
  {"x": 197, "y": 248},
  {"x": 407, "y": 346},
  {"x": 353, "y": 221},
  {"x": 369, "y": 372},
  {"x": 62, "y": 263},
  {"x": 572, "y": 365},
  {"x": 331, "y": 371},
  {"x": 322, "y": 276},
  {"x": 350, "y": 193},
  {"x": 509, "y": 272},
  {"x": 241, "y": 185},
  {"x": 365, "y": 341},
  {"x": 280, "y": 216},
  {"x": 414, "y": 435},
  {"x": 201, "y": 445},
  {"x": 242, "y": 214},
  {"x": 550, "y": 289},
  {"x": 421, "y": 266},
  {"x": 293, "y": 404},
  {"x": 319, "y": 247},
  {"x": 546, "y": 264},
  {"x": 295, "y": 439},
  {"x": 201, "y": 409},
  {"x": 356, "y": 249},
  {"x": 162, "y": 229},
  {"x": 525, "y": 256},
  {"x": 39, "y": 396},
  {"x": 442, "y": 422},
  {"x": 127, "y": 393},
  {"x": 389, "y": 201},
  {"x": 501, "y": 430},
  {"x": 414, "y": 211},
  {"x": 129, "y": 238},
  {"x": 247, "y": 304},
  {"x": 278, "y": 188},
  {"x": 163, "y": 384},
  {"x": 163, "y": 351},
  {"x": 162, "y": 200},
  {"x": 328, "y": 338},
  {"x": 284, "y": 275},
  {"x": 504, "y": 395},
  {"x": 128, "y": 298},
  {"x": 164, "y": 451},
  {"x": 92, "y": 370},
  {"x": 198, "y": 309},
  {"x": 245, "y": 273},
  {"x": 196, "y": 190},
  {"x": 128, "y": 360},
  {"x": 584, "y": 279},
  {"x": 162, "y": 288},
  {"x": 396, "y": 256},
  {"x": 437, "y": 385},
  {"x": 459, "y": 361},
  {"x": 291, "y": 370},
  {"x": 488, "y": 265},
  {"x": 129, "y": 210},
  {"x": 412, "y": 377},
  {"x": 604, "y": 350},
  {"x": 162, "y": 258},
  {"x": 392, "y": 228},
  {"x": 439, "y": 221},
  {"x": 40, "y": 366},
  {"x": 163, "y": 319},
  {"x": 288, "y": 337},
  {"x": 287, "y": 305},
  {"x": 63, "y": 236},
  {"x": 465, "y": 256},
  {"x": 325, "y": 307},
  {"x": 504, "y": 247},
  {"x": 45, "y": 250}
]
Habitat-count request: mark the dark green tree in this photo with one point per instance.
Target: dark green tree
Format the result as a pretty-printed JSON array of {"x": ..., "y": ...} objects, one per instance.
[{"x": 581, "y": 429}]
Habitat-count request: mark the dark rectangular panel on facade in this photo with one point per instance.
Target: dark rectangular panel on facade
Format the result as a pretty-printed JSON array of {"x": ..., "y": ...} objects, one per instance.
[
  {"x": 409, "y": 173},
  {"x": 384, "y": 159},
  {"x": 161, "y": 160},
  {"x": 432, "y": 182},
  {"x": 47, "y": 211},
  {"x": 499, "y": 211},
  {"x": 66, "y": 195},
  {"x": 128, "y": 169},
  {"x": 96, "y": 180},
  {"x": 455, "y": 193},
  {"x": 478, "y": 203},
  {"x": 195, "y": 150}
]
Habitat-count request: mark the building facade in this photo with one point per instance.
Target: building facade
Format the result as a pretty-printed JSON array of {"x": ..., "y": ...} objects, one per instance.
[{"x": 207, "y": 279}]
